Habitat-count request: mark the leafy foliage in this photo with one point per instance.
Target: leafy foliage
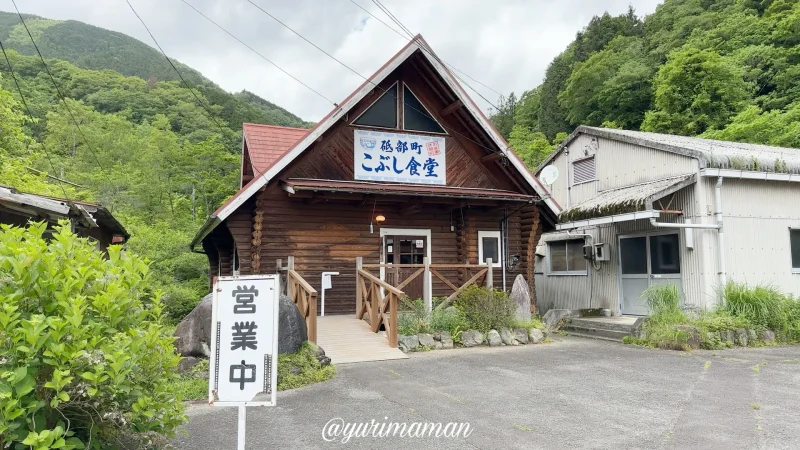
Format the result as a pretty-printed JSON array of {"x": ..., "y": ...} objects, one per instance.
[
  {"x": 724, "y": 69},
  {"x": 486, "y": 309},
  {"x": 302, "y": 368},
  {"x": 85, "y": 359}
]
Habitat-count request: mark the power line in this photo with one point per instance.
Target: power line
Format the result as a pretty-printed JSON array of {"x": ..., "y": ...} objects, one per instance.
[
  {"x": 259, "y": 54},
  {"x": 411, "y": 35},
  {"x": 30, "y": 114},
  {"x": 185, "y": 83},
  {"x": 385, "y": 91},
  {"x": 58, "y": 89}
]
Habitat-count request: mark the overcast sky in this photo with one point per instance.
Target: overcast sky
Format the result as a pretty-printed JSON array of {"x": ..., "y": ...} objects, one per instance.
[{"x": 505, "y": 44}]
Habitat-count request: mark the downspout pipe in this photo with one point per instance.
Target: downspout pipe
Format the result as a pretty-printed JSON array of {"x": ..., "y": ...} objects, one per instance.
[{"x": 723, "y": 275}]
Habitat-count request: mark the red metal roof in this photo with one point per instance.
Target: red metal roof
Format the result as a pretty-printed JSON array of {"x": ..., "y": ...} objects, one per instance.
[
  {"x": 423, "y": 190},
  {"x": 266, "y": 144}
]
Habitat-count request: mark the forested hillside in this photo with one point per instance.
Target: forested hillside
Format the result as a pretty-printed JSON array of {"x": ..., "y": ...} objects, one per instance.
[
  {"x": 143, "y": 146},
  {"x": 724, "y": 69}
]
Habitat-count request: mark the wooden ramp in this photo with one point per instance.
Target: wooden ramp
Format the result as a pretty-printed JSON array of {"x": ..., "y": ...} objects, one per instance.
[{"x": 346, "y": 339}]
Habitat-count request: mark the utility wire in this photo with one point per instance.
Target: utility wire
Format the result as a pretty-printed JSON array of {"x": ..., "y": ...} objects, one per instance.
[
  {"x": 58, "y": 89},
  {"x": 259, "y": 54},
  {"x": 30, "y": 114},
  {"x": 435, "y": 56},
  {"x": 180, "y": 75},
  {"x": 385, "y": 91}
]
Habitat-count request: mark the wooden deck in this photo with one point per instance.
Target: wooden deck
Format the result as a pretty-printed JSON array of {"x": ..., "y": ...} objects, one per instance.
[{"x": 346, "y": 339}]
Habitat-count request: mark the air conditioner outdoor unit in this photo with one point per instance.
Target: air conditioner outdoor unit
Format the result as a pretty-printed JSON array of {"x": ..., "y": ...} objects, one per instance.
[{"x": 602, "y": 252}]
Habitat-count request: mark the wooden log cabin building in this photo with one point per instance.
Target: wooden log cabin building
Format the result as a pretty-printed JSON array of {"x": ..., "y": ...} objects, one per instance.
[{"x": 406, "y": 167}]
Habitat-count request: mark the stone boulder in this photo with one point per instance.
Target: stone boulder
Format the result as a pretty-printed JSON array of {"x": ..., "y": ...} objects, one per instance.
[
  {"x": 741, "y": 337},
  {"x": 507, "y": 336},
  {"x": 535, "y": 336},
  {"x": 408, "y": 343},
  {"x": 554, "y": 316},
  {"x": 426, "y": 340},
  {"x": 520, "y": 336},
  {"x": 187, "y": 364},
  {"x": 319, "y": 353},
  {"x": 194, "y": 332},
  {"x": 443, "y": 340},
  {"x": 494, "y": 338},
  {"x": 692, "y": 335},
  {"x": 471, "y": 338},
  {"x": 522, "y": 297},
  {"x": 767, "y": 336}
]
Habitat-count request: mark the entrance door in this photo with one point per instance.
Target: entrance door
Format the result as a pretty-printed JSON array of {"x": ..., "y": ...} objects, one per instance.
[
  {"x": 644, "y": 261},
  {"x": 399, "y": 249}
]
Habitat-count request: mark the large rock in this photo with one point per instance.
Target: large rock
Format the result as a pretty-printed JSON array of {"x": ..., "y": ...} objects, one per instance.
[
  {"x": 471, "y": 338},
  {"x": 194, "y": 332},
  {"x": 520, "y": 336},
  {"x": 443, "y": 338},
  {"x": 554, "y": 316},
  {"x": 494, "y": 338},
  {"x": 741, "y": 337},
  {"x": 692, "y": 335},
  {"x": 507, "y": 336},
  {"x": 426, "y": 340},
  {"x": 535, "y": 336},
  {"x": 408, "y": 343},
  {"x": 767, "y": 336},
  {"x": 522, "y": 297}
]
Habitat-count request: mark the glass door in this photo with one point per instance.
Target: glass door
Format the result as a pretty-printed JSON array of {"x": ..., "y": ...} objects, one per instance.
[
  {"x": 405, "y": 250},
  {"x": 644, "y": 261}
]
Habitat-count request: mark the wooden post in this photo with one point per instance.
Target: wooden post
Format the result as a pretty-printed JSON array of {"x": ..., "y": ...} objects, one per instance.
[
  {"x": 426, "y": 285},
  {"x": 311, "y": 320},
  {"x": 393, "y": 320},
  {"x": 489, "y": 283},
  {"x": 290, "y": 263},
  {"x": 359, "y": 294},
  {"x": 281, "y": 283}
]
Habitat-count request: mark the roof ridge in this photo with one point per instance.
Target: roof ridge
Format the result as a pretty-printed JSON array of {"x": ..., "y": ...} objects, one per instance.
[{"x": 274, "y": 126}]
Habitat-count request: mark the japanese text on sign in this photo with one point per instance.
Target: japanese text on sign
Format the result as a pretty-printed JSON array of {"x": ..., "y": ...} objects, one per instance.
[
  {"x": 399, "y": 158},
  {"x": 245, "y": 338}
]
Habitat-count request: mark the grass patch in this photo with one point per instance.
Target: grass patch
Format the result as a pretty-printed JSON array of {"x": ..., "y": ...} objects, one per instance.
[{"x": 294, "y": 370}]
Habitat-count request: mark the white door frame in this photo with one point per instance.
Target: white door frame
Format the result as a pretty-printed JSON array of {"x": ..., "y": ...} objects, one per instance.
[
  {"x": 406, "y": 232},
  {"x": 646, "y": 235}
]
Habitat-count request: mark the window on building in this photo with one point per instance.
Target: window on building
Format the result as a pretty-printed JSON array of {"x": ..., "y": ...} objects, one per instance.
[
  {"x": 382, "y": 113},
  {"x": 416, "y": 117},
  {"x": 489, "y": 247},
  {"x": 583, "y": 170},
  {"x": 566, "y": 257},
  {"x": 794, "y": 241}
]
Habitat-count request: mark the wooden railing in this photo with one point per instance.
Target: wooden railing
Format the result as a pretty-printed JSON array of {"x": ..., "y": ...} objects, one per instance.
[
  {"x": 377, "y": 300},
  {"x": 428, "y": 271},
  {"x": 302, "y": 294}
]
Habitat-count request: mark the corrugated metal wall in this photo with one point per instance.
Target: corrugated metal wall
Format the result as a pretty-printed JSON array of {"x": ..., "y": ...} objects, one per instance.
[
  {"x": 600, "y": 288},
  {"x": 621, "y": 164},
  {"x": 757, "y": 218}
]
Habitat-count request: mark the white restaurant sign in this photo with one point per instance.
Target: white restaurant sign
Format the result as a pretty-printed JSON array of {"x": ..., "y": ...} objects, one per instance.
[
  {"x": 244, "y": 337},
  {"x": 399, "y": 157}
]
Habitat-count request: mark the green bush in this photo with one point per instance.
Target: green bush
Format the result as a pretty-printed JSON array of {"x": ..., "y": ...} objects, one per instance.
[
  {"x": 486, "y": 309},
  {"x": 664, "y": 302},
  {"x": 763, "y": 306},
  {"x": 85, "y": 359},
  {"x": 302, "y": 368}
]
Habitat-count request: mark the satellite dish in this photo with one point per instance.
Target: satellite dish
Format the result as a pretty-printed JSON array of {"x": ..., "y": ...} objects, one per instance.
[{"x": 549, "y": 174}]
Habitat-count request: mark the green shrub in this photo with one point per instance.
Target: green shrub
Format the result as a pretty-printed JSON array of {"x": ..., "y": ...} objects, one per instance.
[
  {"x": 664, "y": 302},
  {"x": 763, "y": 306},
  {"x": 721, "y": 320},
  {"x": 84, "y": 354},
  {"x": 486, "y": 309},
  {"x": 452, "y": 321},
  {"x": 301, "y": 368},
  {"x": 413, "y": 321}
]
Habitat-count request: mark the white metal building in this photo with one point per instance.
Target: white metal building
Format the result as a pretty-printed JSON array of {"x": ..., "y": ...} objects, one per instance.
[{"x": 650, "y": 206}]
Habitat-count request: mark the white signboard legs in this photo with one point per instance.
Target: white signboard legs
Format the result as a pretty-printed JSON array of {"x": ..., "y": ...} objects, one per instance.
[{"x": 244, "y": 343}]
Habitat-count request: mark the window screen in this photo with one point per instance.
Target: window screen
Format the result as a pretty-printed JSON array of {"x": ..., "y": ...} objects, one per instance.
[
  {"x": 415, "y": 116},
  {"x": 567, "y": 256},
  {"x": 794, "y": 237},
  {"x": 583, "y": 170},
  {"x": 382, "y": 113}
]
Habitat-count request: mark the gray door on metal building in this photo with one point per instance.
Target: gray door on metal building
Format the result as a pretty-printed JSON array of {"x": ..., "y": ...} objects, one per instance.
[{"x": 646, "y": 260}]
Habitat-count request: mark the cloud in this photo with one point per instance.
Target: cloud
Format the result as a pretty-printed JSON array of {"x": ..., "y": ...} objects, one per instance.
[{"x": 505, "y": 44}]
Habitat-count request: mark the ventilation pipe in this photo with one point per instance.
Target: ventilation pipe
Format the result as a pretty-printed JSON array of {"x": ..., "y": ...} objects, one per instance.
[{"x": 723, "y": 276}]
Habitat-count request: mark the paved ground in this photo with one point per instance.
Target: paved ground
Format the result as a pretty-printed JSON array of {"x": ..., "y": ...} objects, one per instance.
[{"x": 573, "y": 393}]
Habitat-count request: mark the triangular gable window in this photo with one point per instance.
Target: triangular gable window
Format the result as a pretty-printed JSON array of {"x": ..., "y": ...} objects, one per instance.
[
  {"x": 416, "y": 117},
  {"x": 382, "y": 113}
]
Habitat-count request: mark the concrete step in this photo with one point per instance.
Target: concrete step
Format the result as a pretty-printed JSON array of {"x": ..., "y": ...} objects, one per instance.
[
  {"x": 602, "y": 324},
  {"x": 593, "y": 336},
  {"x": 599, "y": 333}
]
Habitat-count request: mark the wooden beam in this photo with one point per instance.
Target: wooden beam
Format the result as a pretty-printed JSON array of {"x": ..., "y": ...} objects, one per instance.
[
  {"x": 492, "y": 157},
  {"x": 451, "y": 108}
]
